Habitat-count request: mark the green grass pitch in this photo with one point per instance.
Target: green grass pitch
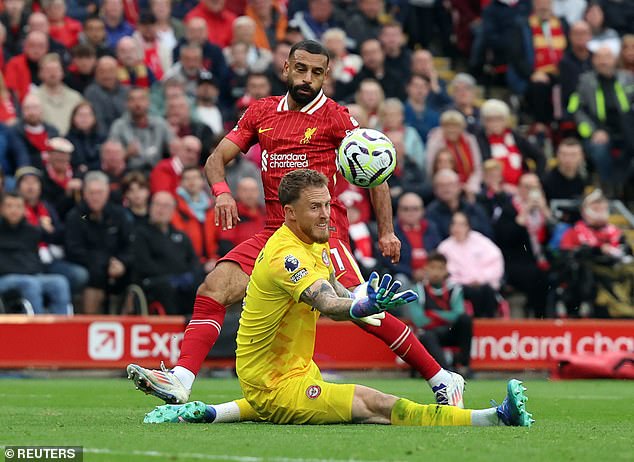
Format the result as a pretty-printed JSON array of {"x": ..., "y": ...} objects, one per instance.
[{"x": 576, "y": 421}]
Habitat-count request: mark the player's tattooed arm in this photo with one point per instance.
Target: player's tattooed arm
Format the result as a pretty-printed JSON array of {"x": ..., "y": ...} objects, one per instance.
[
  {"x": 339, "y": 288},
  {"x": 322, "y": 296}
]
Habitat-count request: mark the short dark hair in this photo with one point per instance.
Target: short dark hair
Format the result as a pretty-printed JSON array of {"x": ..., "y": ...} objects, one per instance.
[
  {"x": 418, "y": 76},
  {"x": 12, "y": 194},
  {"x": 83, "y": 50},
  {"x": 293, "y": 183},
  {"x": 131, "y": 178},
  {"x": 571, "y": 141},
  {"x": 434, "y": 255},
  {"x": 311, "y": 46},
  {"x": 191, "y": 168}
]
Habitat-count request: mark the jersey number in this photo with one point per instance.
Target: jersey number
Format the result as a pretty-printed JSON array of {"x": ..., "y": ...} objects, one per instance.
[{"x": 337, "y": 258}]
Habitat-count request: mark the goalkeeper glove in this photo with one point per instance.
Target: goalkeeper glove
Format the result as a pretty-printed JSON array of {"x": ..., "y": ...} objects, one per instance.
[{"x": 380, "y": 297}]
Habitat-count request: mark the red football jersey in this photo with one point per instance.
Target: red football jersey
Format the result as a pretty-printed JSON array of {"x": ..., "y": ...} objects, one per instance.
[{"x": 289, "y": 140}]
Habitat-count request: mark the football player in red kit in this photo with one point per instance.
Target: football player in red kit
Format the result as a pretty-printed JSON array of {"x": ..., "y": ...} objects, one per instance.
[{"x": 302, "y": 129}]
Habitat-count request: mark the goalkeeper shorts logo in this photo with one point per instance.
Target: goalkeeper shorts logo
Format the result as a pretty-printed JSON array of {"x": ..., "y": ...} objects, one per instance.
[{"x": 313, "y": 392}]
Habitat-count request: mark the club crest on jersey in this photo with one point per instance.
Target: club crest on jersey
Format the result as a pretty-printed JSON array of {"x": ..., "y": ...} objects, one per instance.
[
  {"x": 313, "y": 392},
  {"x": 324, "y": 257},
  {"x": 291, "y": 263},
  {"x": 308, "y": 134}
]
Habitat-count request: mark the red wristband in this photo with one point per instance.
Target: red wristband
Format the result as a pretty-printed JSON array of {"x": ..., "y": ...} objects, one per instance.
[{"x": 220, "y": 188}]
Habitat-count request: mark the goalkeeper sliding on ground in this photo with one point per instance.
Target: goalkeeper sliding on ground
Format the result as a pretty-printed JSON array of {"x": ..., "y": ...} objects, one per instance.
[{"x": 291, "y": 285}]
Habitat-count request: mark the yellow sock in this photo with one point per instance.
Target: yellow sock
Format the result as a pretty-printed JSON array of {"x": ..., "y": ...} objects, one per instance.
[
  {"x": 247, "y": 413},
  {"x": 406, "y": 412}
]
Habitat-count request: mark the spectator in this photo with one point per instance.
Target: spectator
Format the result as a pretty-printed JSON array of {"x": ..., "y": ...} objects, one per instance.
[
  {"x": 166, "y": 176},
  {"x": 275, "y": 73},
  {"x": 270, "y": 22},
  {"x": 344, "y": 66},
  {"x": 567, "y": 180},
  {"x": 536, "y": 48},
  {"x": 38, "y": 22},
  {"x": 40, "y": 214},
  {"x": 81, "y": 71},
  {"x": 576, "y": 60},
  {"x": 168, "y": 270},
  {"x": 320, "y": 16},
  {"x": 439, "y": 314},
  {"x": 476, "y": 263},
  {"x": 33, "y": 132},
  {"x": 14, "y": 19},
  {"x": 239, "y": 168},
  {"x": 602, "y": 35},
  {"x": 98, "y": 238},
  {"x": 407, "y": 175},
  {"x": 63, "y": 29},
  {"x": 22, "y": 70},
  {"x": 195, "y": 216},
  {"x": 113, "y": 164},
  {"x": 418, "y": 237},
  {"x": 168, "y": 28},
  {"x": 397, "y": 55},
  {"x": 392, "y": 119},
  {"x": 106, "y": 95},
  {"x": 58, "y": 100},
  {"x": 178, "y": 116},
  {"x": 418, "y": 114},
  {"x": 135, "y": 191},
  {"x": 7, "y": 108},
  {"x": 144, "y": 137},
  {"x": 116, "y": 25},
  {"x": 20, "y": 265},
  {"x": 374, "y": 68},
  {"x": 423, "y": 65},
  {"x": 370, "y": 97},
  {"x": 258, "y": 59},
  {"x": 626, "y": 61},
  {"x": 218, "y": 18},
  {"x": 252, "y": 216},
  {"x": 187, "y": 68},
  {"x": 156, "y": 57},
  {"x": 446, "y": 185},
  {"x": 95, "y": 35},
  {"x": 85, "y": 138},
  {"x": 600, "y": 260},
  {"x": 498, "y": 141},
  {"x": 463, "y": 90},
  {"x": 604, "y": 121},
  {"x": 206, "y": 107},
  {"x": 60, "y": 185},
  {"x": 463, "y": 146},
  {"x": 13, "y": 155},
  {"x": 132, "y": 71},
  {"x": 364, "y": 24},
  {"x": 82, "y": 10}
]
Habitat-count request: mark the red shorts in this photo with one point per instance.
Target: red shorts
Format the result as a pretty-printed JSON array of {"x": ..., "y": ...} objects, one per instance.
[{"x": 346, "y": 268}]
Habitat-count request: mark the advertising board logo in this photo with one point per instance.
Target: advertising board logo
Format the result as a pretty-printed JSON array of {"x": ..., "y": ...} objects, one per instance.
[{"x": 105, "y": 341}]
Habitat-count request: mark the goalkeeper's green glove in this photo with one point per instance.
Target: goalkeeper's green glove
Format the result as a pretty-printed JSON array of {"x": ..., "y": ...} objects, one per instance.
[{"x": 380, "y": 296}]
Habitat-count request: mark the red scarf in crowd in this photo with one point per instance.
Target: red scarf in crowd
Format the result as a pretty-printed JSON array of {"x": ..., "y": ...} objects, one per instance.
[
  {"x": 153, "y": 61},
  {"x": 549, "y": 43},
  {"x": 463, "y": 158},
  {"x": 141, "y": 77},
  {"x": 504, "y": 150},
  {"x": 596, "y": 237},
  {"x": 60, "y": 180},
  {"x": 34, "y": 214}
]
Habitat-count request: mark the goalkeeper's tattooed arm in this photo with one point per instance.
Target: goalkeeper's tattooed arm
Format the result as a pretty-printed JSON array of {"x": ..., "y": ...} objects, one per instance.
[
  {"x": 322, "y": 296},
  {"x": 339, "y": 288}
]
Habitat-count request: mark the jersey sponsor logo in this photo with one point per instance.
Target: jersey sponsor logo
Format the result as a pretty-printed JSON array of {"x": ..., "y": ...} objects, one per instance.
[
  {"x": 295, "y": 278},
  {"x": 308, "y": 134},
  {"x": 263, "y": 130},
  {"x": 324, "y": 257},
  {"x": 283, "y": 160},
  {"x": 313, "y": 392},
  {"x": 291, "y": 263}
]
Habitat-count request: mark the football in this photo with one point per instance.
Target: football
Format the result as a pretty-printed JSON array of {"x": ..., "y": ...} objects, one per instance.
[{"x": 366, "y": 157}]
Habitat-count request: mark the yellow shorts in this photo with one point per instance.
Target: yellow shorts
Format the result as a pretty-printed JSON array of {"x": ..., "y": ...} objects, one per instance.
[{"x": 304, "y": 399}]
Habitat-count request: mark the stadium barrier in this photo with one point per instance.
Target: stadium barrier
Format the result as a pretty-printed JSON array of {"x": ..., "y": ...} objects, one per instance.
[{"x": 106, "y": 342}]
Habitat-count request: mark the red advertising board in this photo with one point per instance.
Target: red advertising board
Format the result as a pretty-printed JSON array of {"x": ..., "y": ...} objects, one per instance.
[{"x": 112, "y": 342}]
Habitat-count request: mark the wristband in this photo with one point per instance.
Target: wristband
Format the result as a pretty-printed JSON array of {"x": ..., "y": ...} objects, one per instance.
[{"x": 220, "y": 188}]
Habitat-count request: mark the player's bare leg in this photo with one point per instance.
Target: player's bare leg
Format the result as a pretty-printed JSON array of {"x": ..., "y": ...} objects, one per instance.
[{"x": 225, "y": 285}]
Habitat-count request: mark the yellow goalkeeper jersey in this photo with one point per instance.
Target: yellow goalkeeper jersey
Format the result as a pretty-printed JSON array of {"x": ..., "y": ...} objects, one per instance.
[{"x": 276, "y": 337}]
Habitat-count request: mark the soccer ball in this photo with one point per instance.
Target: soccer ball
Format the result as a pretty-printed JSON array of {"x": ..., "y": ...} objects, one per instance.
[{"x": 366, "y": 157}]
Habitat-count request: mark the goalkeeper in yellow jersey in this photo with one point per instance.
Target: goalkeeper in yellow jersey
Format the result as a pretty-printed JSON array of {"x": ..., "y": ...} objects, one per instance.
[{"x": 291, "y": 285}]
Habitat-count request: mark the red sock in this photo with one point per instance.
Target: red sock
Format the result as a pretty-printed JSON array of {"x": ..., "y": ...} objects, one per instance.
[
  {"x": 402, "y": 341},
  {"x": 201, "y": 333}
]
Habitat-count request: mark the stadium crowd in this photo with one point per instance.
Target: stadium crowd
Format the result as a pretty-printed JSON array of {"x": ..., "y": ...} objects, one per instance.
[{"x": 110, "y": 108}]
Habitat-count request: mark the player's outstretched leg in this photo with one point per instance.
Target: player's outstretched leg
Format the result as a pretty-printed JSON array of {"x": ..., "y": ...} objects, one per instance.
[
  {"x": 225, "y": 285},
  {"x": 448, "y": 387},
  {"x": 199, "y": 412}
]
